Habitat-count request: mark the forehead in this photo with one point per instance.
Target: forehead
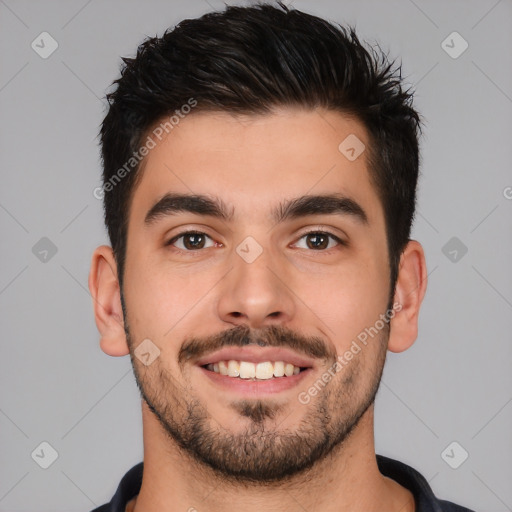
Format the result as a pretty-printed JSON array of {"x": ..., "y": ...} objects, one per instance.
[{"x": 253, "y": 162}]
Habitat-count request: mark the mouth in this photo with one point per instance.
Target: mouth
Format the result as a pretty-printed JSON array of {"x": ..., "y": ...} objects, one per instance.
[{"x": 255, "y": 370}]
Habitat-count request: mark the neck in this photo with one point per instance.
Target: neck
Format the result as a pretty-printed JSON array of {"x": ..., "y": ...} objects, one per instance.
[{"x": 348, "y": 479}]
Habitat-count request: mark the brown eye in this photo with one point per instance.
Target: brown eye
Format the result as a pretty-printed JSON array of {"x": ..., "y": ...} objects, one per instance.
[
  {"x": 194, "y": 241},
  {"x": 319, "y": 241},
  {"x": 191, "y": 241}
]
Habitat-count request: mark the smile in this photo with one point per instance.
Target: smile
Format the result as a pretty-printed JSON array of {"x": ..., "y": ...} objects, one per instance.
[{"x": 255, "y": 371}]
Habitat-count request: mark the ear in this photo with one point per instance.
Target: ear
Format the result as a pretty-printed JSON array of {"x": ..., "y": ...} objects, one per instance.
[
  {"x": 106, "y": 295},
  {"x": 409, "y": 292}
]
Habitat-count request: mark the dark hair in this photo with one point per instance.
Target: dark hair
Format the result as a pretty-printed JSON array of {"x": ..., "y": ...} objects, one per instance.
[{"x": 250, "y": 60}]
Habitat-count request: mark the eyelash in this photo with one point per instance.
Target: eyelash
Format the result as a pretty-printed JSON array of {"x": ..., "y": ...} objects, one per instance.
[{"x": 312, "y": 232}]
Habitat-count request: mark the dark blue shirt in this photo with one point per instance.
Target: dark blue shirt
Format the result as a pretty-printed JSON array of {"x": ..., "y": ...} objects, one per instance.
[{"x": 398, "y": 471}]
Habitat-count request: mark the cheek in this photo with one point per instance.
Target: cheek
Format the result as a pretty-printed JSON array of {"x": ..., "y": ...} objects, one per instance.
[
  {"x": 149, "y": 298},
  {"x": 346, "y": 300},
  {"x": 162, "y": 302}
]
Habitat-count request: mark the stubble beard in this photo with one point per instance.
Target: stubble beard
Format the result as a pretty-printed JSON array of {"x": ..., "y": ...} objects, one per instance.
[{"x": 262, "y": 453}]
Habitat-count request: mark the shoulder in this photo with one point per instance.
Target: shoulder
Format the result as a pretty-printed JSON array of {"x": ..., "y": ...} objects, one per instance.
[
  {"x": 128, "y": 488},
  {"x": 412, "y": 480},
  {"x": 448, "y": 506},
  {"x": 103, "y": 508}
]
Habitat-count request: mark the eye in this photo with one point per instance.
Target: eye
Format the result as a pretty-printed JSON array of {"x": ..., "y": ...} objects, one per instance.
[
  {"x": 319, "y": 241},
  {"x": 191, "y": 241}
]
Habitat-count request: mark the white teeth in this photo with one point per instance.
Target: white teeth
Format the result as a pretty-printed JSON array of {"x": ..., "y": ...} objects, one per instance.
[
  {"x": 223, "y": 368},
  {"x": 288, "y": 369},
  {"x": 233, "y": 368},
  {"x": 279, "y": 369},
  {"x": 264, "y": 370},
  {"x": 247, "y": 370}
]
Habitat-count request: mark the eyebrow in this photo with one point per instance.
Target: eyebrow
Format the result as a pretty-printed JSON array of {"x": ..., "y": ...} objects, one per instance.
[{"x": 198, "y": 204}]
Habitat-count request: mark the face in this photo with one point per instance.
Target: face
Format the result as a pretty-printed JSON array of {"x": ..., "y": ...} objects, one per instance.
[{"x": 256, "y": 247}]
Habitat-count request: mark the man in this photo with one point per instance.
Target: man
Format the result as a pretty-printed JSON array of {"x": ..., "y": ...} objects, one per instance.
[{"x": 260, "y": 170}]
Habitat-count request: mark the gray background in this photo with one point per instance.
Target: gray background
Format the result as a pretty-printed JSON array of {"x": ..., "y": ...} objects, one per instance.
[{"x": 57, "y": 385}]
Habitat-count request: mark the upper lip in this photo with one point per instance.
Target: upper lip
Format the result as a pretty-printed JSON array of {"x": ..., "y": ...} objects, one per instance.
[{"x": 256, "y": 354}]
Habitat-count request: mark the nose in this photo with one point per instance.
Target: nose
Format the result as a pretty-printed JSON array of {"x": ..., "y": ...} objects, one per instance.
[{"x": 258, "y": 293}]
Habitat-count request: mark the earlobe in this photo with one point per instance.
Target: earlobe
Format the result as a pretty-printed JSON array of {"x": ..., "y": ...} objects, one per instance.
[
  {"x": 410, "y": 289},
  {"x": 106, "y": 296}
]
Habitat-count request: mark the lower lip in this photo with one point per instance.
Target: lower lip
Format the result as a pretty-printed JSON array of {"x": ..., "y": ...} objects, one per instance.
[{"x": 255, "y": 387}]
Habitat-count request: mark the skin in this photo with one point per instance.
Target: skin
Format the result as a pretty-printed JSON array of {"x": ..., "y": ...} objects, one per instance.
[{"x": 253, "y": 163}]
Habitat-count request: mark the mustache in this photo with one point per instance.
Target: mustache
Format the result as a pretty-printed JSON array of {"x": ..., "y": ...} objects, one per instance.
[{"x": 269, "y": 336}]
